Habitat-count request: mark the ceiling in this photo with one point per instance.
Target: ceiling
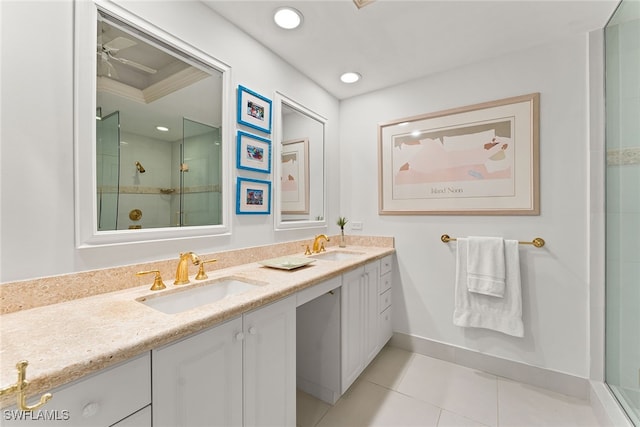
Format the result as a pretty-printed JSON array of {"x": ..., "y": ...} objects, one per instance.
[{"x": 393, "y": 41}]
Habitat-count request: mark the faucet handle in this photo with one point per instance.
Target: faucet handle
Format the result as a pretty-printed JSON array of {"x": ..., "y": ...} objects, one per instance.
[
  {"x": 158, "y": 284},
  {"x": 201, "y": 274},
  {"x": 307, "y": 251},
  {"x": 322, "y": 249}
]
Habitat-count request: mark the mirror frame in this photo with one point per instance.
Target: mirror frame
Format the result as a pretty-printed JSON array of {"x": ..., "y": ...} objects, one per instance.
[
  {"x": 277, "y": 138},
  {"x": 85, "y": 81}
]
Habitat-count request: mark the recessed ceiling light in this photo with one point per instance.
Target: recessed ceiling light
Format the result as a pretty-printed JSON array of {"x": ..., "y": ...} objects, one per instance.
[
  {"x": 162, "y": 128},
  {"x": 350, "y": 77},
  {"x": 287, "y": 18}
]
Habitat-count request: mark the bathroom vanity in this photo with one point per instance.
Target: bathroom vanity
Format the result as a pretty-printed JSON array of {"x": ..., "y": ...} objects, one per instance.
[{"x": 235, "y": 361}]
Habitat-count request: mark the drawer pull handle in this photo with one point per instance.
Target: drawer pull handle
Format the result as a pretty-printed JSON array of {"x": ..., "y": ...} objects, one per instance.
[
  {"x": 90, "y": 409},
  {"x": 253, "y": 330},
  {"x": 239, "y": 336},
  {"x": 19, "y": 387}
]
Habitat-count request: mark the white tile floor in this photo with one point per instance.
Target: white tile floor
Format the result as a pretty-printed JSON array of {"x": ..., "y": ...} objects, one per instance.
[{"x": 400, "y": 388}]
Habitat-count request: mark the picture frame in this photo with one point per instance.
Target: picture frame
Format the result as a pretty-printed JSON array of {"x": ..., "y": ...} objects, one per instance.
[
  {"x": 253, "y": 152},
  {"x": 294, "y": 179},
  {"x": 254, "y": 110},
  {"x": 481, "y": 159},
  {"x": 253, "y": 197}
]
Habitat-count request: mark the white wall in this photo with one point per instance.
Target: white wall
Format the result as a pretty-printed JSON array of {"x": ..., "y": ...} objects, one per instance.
[
  {"x": 555, "y": 278},
  {"x": 37, "y": 217}
]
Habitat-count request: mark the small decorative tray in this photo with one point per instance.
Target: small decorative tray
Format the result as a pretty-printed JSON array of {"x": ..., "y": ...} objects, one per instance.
[{"x": 287, "y": 262}]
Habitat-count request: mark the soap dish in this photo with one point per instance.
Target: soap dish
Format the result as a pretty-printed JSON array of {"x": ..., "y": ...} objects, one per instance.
[{"x": 287, "y": 262}]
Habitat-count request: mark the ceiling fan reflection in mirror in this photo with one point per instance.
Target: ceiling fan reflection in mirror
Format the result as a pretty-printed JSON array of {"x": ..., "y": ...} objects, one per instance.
[{"x": 109, "y": 51}]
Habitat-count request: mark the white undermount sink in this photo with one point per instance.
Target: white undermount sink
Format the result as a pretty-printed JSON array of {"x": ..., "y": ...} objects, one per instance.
[
  {"x": 337, "y": 255},
  {"x": 195, "y": 296}
]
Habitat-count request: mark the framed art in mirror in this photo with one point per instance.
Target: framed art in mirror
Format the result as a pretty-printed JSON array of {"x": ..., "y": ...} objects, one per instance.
[
  {"x": 253, "y": 196},
  {"x": 294, "y": 185},
  {"x": 253, "y": 153},
  {"x": 254, "y": 110},
  {"x": 299, "y": 163}
]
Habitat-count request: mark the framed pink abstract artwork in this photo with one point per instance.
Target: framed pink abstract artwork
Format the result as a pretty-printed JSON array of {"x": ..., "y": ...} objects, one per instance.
[{"x": 476, "y": 160}]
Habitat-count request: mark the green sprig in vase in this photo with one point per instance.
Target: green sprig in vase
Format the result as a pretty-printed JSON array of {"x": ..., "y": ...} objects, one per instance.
[{"x": 342, "y": 221}]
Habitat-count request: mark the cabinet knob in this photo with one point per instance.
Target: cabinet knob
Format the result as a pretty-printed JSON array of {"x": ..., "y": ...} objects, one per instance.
[
  {"x": 253, "y": 330},
  {"x": 239, "y": 336},
  {"x": 90, "y": 409}
]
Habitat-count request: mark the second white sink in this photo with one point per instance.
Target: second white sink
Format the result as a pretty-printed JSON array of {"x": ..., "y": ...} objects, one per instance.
[
  {"x": 337, "y": 255},
  {"x": 192, "y": 297}
]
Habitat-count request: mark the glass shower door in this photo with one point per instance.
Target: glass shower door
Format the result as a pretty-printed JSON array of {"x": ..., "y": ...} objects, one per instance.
[
  {"x": 108, "y": 170},
  {"x": 201, "y": 175},
  {"x": 622, "y": 45}
]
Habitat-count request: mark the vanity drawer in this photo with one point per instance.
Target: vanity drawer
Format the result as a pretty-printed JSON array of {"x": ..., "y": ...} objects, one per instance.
[
  {"x": 384, "y": 300},
  {"x": 385, "y": 283},
  {"x": 101, "y": 399},
  {"x": 386, "y": 264},
  {"x": 385, "y": 331}
]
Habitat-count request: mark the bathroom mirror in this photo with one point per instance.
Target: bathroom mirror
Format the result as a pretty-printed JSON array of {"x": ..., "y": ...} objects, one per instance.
[
  {"x": 154, "y": 152},
  {"x": 300, "y": 195}
]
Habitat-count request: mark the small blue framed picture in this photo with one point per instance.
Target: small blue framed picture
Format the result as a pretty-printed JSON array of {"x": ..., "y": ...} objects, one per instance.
[
  {"x": 253, "y": 197},
  {"x": 254, "y": 110},
  {"x": 253, "y": 153}
]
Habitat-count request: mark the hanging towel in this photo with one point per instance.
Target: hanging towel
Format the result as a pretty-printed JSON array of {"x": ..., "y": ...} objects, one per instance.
[
  {"x": 484, "y": 311},
  {"x": 485, "y": 266}
]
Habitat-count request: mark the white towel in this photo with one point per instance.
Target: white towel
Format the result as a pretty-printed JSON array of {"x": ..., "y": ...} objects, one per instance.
[
  {"x": 483, "y": 311},
  {"x": 485, "y": 266}
]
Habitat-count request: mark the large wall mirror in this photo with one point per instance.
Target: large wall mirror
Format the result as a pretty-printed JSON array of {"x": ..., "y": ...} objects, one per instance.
[
  {"x": 155, "y": 151},
  {"x": 300, "y": 195}
]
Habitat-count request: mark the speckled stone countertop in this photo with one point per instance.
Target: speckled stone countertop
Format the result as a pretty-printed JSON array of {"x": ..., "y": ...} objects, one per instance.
[{"x": 67, "y": 340}]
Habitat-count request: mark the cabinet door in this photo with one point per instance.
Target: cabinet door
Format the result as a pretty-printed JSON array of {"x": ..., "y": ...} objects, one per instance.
[
  {"x": 198, "y": 381},
  {"x": 352, "y": 325},
  {"x": 270, "y": 365},
  {"x": 371, "y": 313}
]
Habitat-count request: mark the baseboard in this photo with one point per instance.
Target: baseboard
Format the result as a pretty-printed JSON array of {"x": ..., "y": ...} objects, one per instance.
[
  {"x": 517, "y": 371},
  {"x": 606, "y": 407},
  {"x": 317, "y": 391}
]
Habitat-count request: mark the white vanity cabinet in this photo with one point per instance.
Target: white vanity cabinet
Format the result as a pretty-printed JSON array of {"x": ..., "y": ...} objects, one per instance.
[
  {"x": 360, "y": 317},
  {"x": 198, "y": 381},
  {"x": 384, "y": 300},
  {"x": 102, "y": 399},
  {"x": 239, "y": 373},
  {"x": 270, "y": 365}
]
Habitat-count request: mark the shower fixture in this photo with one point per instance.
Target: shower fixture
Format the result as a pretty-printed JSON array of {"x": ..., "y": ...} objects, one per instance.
[{"x": 140, "y": 168}]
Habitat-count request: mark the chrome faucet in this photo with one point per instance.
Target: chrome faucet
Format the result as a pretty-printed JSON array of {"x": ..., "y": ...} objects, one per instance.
[
  {"x": 318, "y": 246},
  {"x": 182, "y": 273}
]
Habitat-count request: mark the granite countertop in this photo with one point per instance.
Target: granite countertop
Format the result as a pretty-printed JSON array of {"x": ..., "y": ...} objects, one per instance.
[{"x": 68, "y": 340}]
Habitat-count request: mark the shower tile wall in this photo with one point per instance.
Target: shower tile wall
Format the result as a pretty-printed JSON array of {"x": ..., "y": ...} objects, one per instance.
[{"x": 141, "y": 190}]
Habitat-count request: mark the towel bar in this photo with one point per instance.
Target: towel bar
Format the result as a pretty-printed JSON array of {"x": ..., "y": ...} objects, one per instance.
[{"x": 538, "y": 242}]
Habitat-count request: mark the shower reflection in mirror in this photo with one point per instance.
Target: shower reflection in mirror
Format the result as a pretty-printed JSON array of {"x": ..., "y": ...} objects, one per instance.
[{"x": 157, "y": 107}]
